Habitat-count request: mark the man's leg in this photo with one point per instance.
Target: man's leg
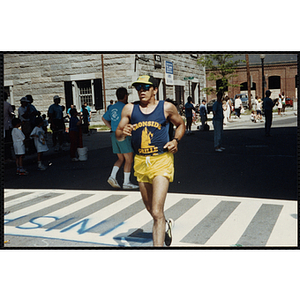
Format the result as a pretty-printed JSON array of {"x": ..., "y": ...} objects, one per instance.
[
  {"x": 189, "y": 124},
  {"x": 154, "y": 196},
  {"x": 117, "y": 165},
  {"x": 127, "y": 171},
  {"x": 268, "y": 121},
  {"x": 112, "y": 180},
  {"x": 128, "y": 162}
]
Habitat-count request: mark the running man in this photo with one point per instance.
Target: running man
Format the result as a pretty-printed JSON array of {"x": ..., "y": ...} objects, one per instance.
[{"x": 147, "y": 122}]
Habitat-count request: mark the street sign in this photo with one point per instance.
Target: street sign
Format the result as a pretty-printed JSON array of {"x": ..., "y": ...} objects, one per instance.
[
  {"x": 169, "y": 73},
  {"x": 188, "y": 78}
]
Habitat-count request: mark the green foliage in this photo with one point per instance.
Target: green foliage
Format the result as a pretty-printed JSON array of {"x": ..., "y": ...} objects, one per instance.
[{"x": 219, "y": 67}]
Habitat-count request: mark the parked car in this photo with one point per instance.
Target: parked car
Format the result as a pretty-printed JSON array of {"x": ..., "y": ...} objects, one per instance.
[
  {"x": 210, "y": 105},
  {"x": 288, "y": 102},
  {"x": 244, "y": 98}
]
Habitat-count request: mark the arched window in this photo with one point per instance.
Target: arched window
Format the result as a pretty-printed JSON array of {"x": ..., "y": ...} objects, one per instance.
[
  {"x": 274, "y": 82},
  {"x": 244, "y": 86}
]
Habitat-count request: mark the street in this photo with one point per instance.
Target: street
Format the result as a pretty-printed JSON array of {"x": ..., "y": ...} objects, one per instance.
[{"x": 245, "y": 195}]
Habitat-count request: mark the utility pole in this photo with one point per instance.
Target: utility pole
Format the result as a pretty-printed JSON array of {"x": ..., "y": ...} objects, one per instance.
[
  {"x": 103, "y": 79},
  {"x": 248, "y": 82}
]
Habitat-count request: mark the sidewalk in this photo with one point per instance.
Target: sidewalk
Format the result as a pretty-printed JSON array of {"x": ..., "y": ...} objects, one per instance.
[
  {"x": 289, "y": 112},
  {"x": 101, "y": 138}
]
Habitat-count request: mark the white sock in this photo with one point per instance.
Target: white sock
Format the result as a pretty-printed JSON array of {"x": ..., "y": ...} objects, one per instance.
[
  {"x": 114, "y": 172},
  {"x": 39, "y": 163},
  {"x": 126, "y": 177}
]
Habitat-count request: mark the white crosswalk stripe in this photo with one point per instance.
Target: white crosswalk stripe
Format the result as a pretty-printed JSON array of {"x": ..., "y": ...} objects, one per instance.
[{"x": 119, "y": 218}]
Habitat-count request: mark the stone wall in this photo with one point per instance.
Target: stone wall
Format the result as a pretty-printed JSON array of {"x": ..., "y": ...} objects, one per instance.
[{"x": 43, "y": 74}]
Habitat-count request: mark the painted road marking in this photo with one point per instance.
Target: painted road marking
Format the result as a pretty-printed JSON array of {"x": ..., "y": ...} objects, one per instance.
[{"x": 118, "y": 218}]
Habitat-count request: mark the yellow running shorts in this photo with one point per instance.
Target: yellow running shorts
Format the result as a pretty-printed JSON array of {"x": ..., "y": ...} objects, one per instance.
[{"x": 148, "y": 167}]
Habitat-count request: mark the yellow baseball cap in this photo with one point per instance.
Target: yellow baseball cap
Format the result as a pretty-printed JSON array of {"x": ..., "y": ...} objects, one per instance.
[{"x": 145, "y": 79}]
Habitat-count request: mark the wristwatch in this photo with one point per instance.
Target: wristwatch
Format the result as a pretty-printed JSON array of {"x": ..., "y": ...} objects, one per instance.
[{"x": 176, "y": 139}]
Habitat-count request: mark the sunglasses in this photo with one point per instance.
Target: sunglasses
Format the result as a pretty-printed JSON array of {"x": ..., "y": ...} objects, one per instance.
[{"x": 145, "y": 87}]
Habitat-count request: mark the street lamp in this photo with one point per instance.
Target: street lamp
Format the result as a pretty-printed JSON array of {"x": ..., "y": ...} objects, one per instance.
[{"x": 262, "y": 57}]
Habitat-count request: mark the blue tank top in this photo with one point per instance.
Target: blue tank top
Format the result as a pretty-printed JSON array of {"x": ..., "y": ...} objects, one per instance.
[{"x": 151, "y": 131}]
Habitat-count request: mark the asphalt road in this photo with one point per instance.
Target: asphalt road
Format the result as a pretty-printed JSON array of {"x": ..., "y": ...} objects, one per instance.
[{"x": 251, "y": 166}]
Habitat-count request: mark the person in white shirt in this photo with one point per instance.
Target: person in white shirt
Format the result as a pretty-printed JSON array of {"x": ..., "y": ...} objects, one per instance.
[
  {"x": 238, "y": 106},
  {"x": 279, "y": 107},
  {"x": 38, "y": 134},
  {"x": 258, "y": 110},
  {"x": 18, "y": 138}
]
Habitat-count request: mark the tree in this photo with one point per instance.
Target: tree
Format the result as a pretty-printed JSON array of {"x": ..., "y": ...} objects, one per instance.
[{"x": 220, "y": 68}]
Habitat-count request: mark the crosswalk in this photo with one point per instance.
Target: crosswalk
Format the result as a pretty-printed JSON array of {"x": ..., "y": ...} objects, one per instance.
[{"x": 119, "y": 219}]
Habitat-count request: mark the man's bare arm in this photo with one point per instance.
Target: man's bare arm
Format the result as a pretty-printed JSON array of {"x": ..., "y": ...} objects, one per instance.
[
  {"x": 107, "y": 123},
  {"x": 174, "y": 117},
  {"x": 125, "y": 128}
]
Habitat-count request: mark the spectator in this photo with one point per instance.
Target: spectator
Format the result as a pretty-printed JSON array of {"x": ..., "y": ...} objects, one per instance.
[
  {"x": 203, "y": 114},
  {"x": 89, "y": 111},
  {"x": 218, "y": 123},
  {"x": 8, "y": 115},
  {"x": 253, "y": 116},
  {"x": 68, "y": 111},
  {"x": 45, "y": 125},
  {"x": 283, "y": 103},
  {"x": 111, "y": 104},
  {"x": 18, "y": 138},
  {"x": 23, "y": 114},
  {"x": 57, "y": 125},
  {"x": 85, "y": 119},
  {"x": 279, "y": 105},
  {"x": 238, "y": 106},
  {"x": 268, "y": 105},
  {"x": 258, "y": 110},
  {"x": 171, "y": 126},
  {"x": 189, "y": 107},
  {"x": 32, "y": 113},
  {"x": 38, "y": 135},
  {"x": 75, "y": 134},
  {"x": 122, "y": 149}
]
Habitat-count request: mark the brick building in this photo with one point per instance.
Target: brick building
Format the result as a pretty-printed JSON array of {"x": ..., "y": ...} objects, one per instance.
[
  {"x": 94, "y": 77},
  {"x": 280, "y": 72}
]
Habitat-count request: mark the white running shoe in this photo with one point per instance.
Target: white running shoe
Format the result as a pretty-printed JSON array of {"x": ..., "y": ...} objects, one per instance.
[
  {"x": 113, "y": 182},
  {"x": 130, "y": 186}
]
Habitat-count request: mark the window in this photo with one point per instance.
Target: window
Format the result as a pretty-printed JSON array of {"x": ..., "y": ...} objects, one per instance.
[
  {"x": 79, "y": 91},
  {"x": 85, "y": 92},
  {"x": 274, "y": 82},
  {"x": 244, "y": 86}
]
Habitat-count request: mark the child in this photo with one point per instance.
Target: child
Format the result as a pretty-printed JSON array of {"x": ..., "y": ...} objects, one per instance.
[
  {"x": 18, "y": 138},
  {"x": 75, "y": 134},
  {"x": 253, "y": 116},
  {"x": 85, "y": 118},
  {"x": 45, "y": 125},
  {"x": 38, "y": 135}
]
